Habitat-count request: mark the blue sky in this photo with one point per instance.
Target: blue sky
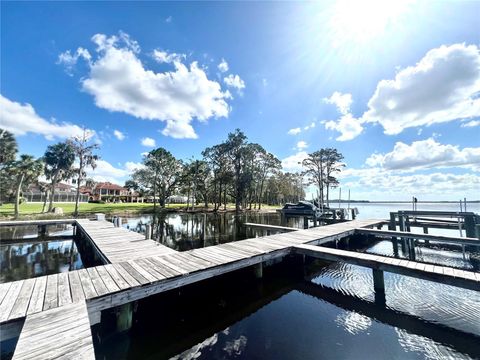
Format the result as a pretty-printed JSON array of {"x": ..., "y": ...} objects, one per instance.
[{"x": 393, "y": 85}]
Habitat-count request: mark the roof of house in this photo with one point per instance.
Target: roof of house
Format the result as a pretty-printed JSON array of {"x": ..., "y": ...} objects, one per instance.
[{"x": 109, "y": 186}]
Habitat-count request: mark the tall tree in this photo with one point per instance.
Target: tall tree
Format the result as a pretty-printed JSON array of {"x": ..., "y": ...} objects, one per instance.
[
  {"x": 59, "y": 159},
  {"x": 83, "y": 148},
  {"x": 8, "y": 153},
  {"x": 26, "y": 170},
  {"x": 321, "y": 166},
  {"x": 333, "y": 166},
  {"x": 236, "y": 149},
  {"x": 315, "y": 171},
  {"x": 267, "y": 163},
  {"x": 163, "y": 173}
]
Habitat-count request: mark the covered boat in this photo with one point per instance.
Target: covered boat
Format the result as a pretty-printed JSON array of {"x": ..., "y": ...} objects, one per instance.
[{"x": 302, "y": 208}]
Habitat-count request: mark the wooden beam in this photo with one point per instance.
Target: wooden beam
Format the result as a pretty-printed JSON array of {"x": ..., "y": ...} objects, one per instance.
[
  {"x": 434, "y": 238},
  {"x": 442, "y": 274}
]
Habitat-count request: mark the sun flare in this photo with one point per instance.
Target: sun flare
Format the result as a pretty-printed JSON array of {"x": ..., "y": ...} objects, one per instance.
[{"x": 361, "y": 21}]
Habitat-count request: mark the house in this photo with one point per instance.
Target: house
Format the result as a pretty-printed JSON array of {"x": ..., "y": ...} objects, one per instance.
[
  {"x": 109, "y": 192},
  {"x": 63, "y": 193}
]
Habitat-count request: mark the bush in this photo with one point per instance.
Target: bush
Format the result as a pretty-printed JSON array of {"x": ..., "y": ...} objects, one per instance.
[{"x": 96, "y": 202}]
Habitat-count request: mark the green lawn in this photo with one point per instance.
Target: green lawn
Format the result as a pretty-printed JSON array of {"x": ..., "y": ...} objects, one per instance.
[{"x": 34, "y": 209}]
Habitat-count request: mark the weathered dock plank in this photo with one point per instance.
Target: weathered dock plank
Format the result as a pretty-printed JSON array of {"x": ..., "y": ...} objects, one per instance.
[
  {"x": 116, "y": 244},
  {"x": 61, "y": 333}
]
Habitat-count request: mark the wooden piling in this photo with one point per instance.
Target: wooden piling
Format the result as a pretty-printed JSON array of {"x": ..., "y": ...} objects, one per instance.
[{"x": 258, "y": 270}]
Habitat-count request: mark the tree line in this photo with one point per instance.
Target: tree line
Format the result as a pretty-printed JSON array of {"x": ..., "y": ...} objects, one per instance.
[
  {"x": 234, "y": 171},
  {"x": 61, "y": 161}
]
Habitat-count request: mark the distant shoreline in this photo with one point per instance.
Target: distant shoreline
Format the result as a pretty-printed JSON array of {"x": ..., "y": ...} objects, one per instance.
[{"x": 402, "y": 202}]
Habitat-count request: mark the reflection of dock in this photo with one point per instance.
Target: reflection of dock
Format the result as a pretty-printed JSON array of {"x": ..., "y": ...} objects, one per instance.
[
  {"x": 144, "y": 273},
  {"x": 442, "y": 274}
]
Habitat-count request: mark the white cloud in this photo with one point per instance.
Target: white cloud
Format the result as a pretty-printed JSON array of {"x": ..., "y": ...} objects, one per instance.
[
  {"x": 165, "y": 57},
  {"x": 443, "y": 86},
  {"x": 264, "y": 82},
  {"x": 341, "y": 101},
  {"x": 107, "y": 172},
  {"x": 293, "y": 163},
  {"x": 471, "y": 123},
  {"x": 294, "y": 131},
  {"x": 148, "y": 142},
  {"x": 234, "y": 81},
  {"x": 311, "y": 126},
  {"x": 21, "y": 119},
  {"x": 118, "y": 81},
  {"x": 426, "y": 154},
  {"x": 223, "y": 66},
  {"x": 118, "y": 134},
  {"x": 169, "y": 19},
  {"x": 131, "y": 166},
  {"x": 179, "y": 130},
  {"x": 436, "y": 186},
  {"x": 69, "y": 60},
  {"x": 347, "y": 125},
  {"x": 301, "y": 145}
]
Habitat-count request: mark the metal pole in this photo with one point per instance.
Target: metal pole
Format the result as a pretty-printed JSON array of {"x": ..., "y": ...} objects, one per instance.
[
  {"x": 465, "y": 204},
  {"x": 348, "y": 205}
]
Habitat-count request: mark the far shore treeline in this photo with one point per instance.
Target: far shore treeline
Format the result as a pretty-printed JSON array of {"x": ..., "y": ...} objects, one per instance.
[{"x": 235, "y": 170}]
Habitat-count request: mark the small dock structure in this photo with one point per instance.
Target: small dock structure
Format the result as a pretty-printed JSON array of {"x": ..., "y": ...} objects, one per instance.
[
  {"x": 117, "y": 244},
  {"x": 130, "y": 275}
]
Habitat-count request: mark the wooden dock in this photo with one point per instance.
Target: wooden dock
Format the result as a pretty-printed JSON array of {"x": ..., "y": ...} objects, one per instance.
[
  {"x": 443, "y": 274},
  {"x": 135, "y": 272},
  {"x": 117, "y": 244},
  {"x": 61, "y": 333}
]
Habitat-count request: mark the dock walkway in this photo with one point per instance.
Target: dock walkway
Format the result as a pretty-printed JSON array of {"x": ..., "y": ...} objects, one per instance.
[
  {"x": 133, "y": 275},
  {"x": 61, "y": 333},
  {"x": 117, "y": 244}
]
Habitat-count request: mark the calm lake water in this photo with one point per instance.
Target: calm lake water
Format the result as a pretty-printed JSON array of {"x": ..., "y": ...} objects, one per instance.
[
  {"x": 320, "y": 311},
  {"x": 23, "y": 254},
  {"x": 183, "y": 231}
]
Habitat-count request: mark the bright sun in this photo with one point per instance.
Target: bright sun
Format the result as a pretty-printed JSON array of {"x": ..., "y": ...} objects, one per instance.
[{"x": 361, "y": 20}]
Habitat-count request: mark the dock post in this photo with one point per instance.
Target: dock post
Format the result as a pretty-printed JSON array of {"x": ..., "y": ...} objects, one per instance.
[
  {"x": 258, "y": 270},
  {"x": 148, "y": 231},
  {"x": 392, "y": 225},
  {"x": 124, "y": 317},
  {"x": 42, "y": 230},
  {"x": 425, "y": 231},
  {"x": 353, "y": 213},
  {"x": 379, "y": 286},
  {"x": 305, "y": 222},
  {"x": 469, "y": 224},
  {"x": 314, "y": 221}
]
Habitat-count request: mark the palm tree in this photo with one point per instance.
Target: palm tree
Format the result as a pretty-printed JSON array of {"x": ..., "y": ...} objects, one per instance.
[
  {"x": 44, "y": 189},
  {"x": 59, "y": 159},
  {"x": 8, "y": 147},
  {"x": 26, "y": 169}
]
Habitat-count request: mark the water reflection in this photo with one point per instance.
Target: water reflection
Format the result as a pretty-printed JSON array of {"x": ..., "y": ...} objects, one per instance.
[
  {"x": 30, "y": 259},
  {"x": 298, "y": 312},
  {"x": 182, "y": 231}
]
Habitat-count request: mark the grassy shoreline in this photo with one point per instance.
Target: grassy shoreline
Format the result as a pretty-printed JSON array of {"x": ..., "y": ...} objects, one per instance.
[{"x": 34, "y": 210}]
